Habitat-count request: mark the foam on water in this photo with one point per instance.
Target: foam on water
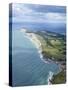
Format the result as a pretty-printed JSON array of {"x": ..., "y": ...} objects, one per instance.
[{"x": 50, "y": 77}]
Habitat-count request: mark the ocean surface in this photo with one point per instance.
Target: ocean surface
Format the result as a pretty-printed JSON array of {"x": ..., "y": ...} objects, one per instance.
[{"x": 27, "y": 66}]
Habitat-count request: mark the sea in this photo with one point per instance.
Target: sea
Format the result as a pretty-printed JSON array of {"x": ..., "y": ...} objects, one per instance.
[{"x": 27, "y": 66}]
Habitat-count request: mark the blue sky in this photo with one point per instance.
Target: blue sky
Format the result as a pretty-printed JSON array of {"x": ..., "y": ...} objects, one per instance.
[{"x": 38, "y": 13}]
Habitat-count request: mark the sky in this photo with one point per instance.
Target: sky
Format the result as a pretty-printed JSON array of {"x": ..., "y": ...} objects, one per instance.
[{"x": 38, "y": 13}]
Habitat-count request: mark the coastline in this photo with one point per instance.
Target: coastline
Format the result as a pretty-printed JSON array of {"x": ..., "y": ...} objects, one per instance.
[{"x": 33, "y": 38}]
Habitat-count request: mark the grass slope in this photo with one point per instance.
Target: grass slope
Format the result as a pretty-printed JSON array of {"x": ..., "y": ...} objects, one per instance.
[{"x": 54, "y": 47}]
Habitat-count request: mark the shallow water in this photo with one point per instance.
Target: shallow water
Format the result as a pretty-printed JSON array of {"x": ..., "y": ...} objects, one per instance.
[{"x": 27, "y": 66}]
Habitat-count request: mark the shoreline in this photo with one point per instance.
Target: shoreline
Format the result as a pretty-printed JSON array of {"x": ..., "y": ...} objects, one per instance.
[
  {"x": 38, "y": 46},
  {"x": 33, "y": 38},
  {"x": 50, "y": 76}
]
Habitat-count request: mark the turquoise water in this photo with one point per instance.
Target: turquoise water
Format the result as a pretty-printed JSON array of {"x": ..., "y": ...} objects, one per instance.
[{"x": 27, "y": 66}]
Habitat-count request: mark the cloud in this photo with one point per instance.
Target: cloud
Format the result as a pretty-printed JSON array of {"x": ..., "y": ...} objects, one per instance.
[
  {"x": 56, "y": 16},
  {"x": 20, "y": 10},
  {"x": 22, "y": 13}
]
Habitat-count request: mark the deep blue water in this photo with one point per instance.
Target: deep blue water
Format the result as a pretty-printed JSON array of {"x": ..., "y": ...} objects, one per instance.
[{"x": 27, "y": 66}]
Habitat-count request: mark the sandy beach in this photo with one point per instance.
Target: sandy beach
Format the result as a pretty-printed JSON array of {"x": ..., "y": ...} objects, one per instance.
[{"x": 33, "y": 38}]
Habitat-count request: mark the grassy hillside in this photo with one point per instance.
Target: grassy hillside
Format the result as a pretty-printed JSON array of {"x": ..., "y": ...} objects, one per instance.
[
  {"x": 54, "y": 47},
  {"x": 59, "y": 78}
]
